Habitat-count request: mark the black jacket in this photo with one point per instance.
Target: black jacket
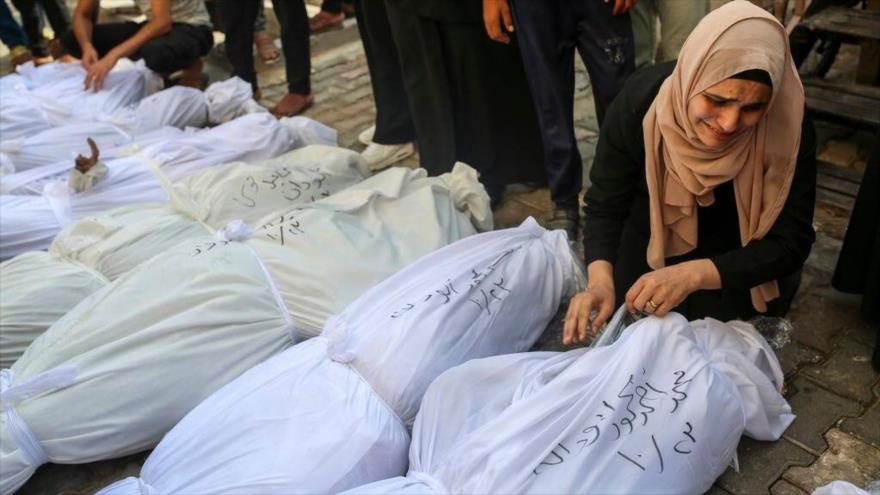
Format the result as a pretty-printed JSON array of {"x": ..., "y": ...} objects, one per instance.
[{"x": 617, "y": 225}]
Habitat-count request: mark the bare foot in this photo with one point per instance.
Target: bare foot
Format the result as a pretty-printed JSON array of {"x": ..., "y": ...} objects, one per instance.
[
  {"x": 293, "y": 104},
  {"x": 325, "y": 21},
  {"x": 266, "y": 47},
  {"x": 193, "y": 76}
]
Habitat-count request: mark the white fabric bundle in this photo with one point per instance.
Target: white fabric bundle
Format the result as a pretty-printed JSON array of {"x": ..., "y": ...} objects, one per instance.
[
  {"x": 177, "y": 107},
  {"x": 659, "y": 411},
  {"x": 231, "y": 99},
  {"x": 139, "y": 354},
  {"x": 351, "y": 394},
  {"x": 39, "y": 288},
  {"x": 30, "y": 222},
  {"x": 24, "y": 111},
  {"x": 840, "y": 487}
]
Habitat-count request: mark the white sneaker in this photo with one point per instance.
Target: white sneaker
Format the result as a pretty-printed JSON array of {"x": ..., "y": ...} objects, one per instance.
[
  {"x": 381, "y": 156},
  {"x": 366, "y": 136}
]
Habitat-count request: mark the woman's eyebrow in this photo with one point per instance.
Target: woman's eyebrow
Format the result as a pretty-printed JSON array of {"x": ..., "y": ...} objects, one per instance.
[{"x": 723, "y": 99}]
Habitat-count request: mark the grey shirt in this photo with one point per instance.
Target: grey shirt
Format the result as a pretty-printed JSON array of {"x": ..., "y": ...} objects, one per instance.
[{"x": 182, "y": 11}]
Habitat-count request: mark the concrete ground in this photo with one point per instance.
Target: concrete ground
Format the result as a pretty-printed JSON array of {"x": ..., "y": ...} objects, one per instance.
[{"x": 830, "y": 383}]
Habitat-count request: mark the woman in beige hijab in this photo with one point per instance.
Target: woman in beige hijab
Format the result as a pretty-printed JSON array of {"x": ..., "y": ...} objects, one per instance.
[{"x": 704, "y": 181}]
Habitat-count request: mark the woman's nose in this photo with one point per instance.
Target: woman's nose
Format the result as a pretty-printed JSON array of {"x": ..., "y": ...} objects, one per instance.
[{"x": 728, "y": 120}]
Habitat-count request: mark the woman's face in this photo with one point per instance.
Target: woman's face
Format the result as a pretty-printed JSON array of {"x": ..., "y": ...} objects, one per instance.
[{"x": 727, "y": 109}]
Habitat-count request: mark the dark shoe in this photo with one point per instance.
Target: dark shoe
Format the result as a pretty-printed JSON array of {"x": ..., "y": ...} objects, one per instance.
[
  {"x": 567, "y": 219},
  {"x": 293, "y": 104},
  {"x": 348, "y": 9},
  {"x": 325, "y": 21}
]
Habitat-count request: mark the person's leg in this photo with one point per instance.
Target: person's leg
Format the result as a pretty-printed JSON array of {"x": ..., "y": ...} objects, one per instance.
[
  {"x": 104, "y": 37},
  {"x": 298, "y": 64},
  {"x": 239, "y": 16},
  {"x": 32, "y": 24},
  {"x": 677, "y": 19},
  {"x": 263, "y": 40},
  {"x": 394, "y": 123},
  {"x": 11, "y": 34},
  {"x": 545, "y": 32},
  {"x": 332, "y": 6},
  {"x": 260, "y": 21},
  {"x": 644, "y": 26},
  {"x": 427, "y": 86},
  {"x": 179, "y": 49},
  {"x": 58, "y": 15},
  {"x": 605, "y": 43}
]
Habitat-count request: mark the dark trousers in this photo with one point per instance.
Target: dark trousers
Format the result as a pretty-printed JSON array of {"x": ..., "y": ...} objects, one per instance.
[
  {"x": 468, "y": 98},
  {"x": 178, "y": 49},
  {"x": 548, "y": 32},
  {"x": 239, "y": 16},
  {"x": 32, "y": 21},
  {"x": 334, "y": 6},
  {"x": 11, "y": 33},
  {"x": 394, "y": 123}
]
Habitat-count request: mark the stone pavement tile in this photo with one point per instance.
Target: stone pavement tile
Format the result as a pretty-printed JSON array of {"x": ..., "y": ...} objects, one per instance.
[
  {"x": 865, "y": 427},
  {"x": 761, "y": 464},
  {"x": 817, "y": 410},
  {"x": 717, "y": 490},
  {"x": 539, "y": 199},
  {"x": 794, "y": 355},
  {"x": 847, "y": 459},
  {"x": 824, "y": 253},
  {"x": 847, "y": 371},
  {"x": 783, "y": 487},
  {"x": 819, "y": 319},
  {"x": 76, "y": 479},
  {"x": 512, "y": 211}
]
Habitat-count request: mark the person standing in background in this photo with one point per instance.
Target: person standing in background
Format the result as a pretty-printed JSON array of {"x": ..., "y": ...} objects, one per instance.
[
  {"x": 13, "y": 37},
  {"x": 175, "y": 37},
  {"x": 548, "y": 32},
  {"x": 393, "y": 136},
  {"x": 468, "y": 96},
  {"x": 32, "y": 22},
  {"x": 677, "y": 19},
  {"x": 239, "y": 17}
]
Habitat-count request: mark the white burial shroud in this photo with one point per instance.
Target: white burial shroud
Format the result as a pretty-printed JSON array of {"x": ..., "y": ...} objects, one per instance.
[
  {"x": 179, "y": 107},
  {"x": 659, "y": 411},
  {"x": 30, "y": 222},
  {"x": 334, "y": 412},
  {"x": 39, "y": 287},
  {"x": 60, "y": 98},
  {"x": 190, "y": 320}
]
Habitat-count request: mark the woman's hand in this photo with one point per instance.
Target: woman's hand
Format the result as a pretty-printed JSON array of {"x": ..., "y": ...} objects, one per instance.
[
  {"x": 598, "y": 297},
  {"x": 659, "y": 291},
  {"x": 89, "y": 56}
]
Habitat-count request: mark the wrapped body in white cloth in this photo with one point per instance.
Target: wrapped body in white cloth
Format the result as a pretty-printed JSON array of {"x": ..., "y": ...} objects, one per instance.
[
  {"x": 40, "y": 287},
  {"x": 178, "y": 106},
  {"x": 351, "y": 394},
  {"x": 30, "y": 222},
  {"x": 659, "y": 411},
  {"x": 125, "y": 365},
  {"x": 60, "y": 98}
]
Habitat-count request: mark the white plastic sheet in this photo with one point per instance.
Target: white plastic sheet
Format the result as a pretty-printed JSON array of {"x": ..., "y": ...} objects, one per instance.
[
  {"x": 187, "y": 322},
  {"x": 659, "y": 411},
  {"x": 90, "y": 253},
  {"x": 30, "y": 222},
  {"x": 351, "y": 394}
]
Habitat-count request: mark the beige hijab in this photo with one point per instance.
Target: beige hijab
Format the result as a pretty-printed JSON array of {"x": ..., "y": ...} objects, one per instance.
[{"x": 682, "y": 172}]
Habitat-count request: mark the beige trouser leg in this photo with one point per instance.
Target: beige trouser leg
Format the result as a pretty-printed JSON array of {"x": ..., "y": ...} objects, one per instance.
[{"x": 677, "y": 19}]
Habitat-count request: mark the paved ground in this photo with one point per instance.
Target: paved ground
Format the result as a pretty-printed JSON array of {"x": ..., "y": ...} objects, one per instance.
[{"x": 830, "y": 383}]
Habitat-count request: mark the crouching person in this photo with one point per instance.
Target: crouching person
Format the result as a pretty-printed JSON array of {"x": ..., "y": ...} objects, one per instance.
[{"x": 175, "y": 36}]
